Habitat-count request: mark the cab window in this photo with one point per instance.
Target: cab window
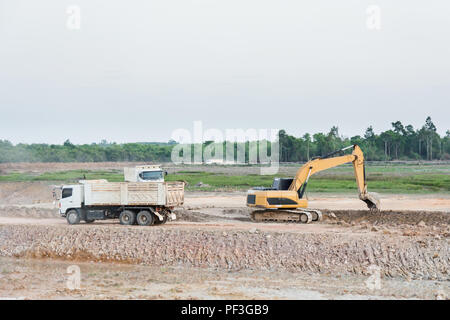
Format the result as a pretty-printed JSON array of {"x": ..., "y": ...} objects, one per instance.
[
  {"x": 66, "y": 192},
  {"x": 151, "y": 175}
]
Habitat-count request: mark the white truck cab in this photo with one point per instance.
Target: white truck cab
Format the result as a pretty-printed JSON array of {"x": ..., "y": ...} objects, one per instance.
[
  {"x": 71, "y": 197},
  {"x": 148, "y": 173}
]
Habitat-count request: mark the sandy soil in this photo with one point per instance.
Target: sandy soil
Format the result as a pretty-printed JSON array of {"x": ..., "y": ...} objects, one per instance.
[
  {"x": 224, "y": 253},
  {"x": 47, "y": 279},
  {"x": 40, "y": 167}
]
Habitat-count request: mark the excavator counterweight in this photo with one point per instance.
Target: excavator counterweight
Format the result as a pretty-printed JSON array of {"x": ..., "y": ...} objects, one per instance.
[{"x": 285, "y": 201}]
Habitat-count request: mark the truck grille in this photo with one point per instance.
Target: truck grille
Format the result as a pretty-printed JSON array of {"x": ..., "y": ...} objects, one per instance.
[{"x": 251, "y": 199}]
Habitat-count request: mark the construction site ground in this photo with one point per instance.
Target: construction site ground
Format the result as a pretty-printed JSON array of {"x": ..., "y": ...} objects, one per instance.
[{"x": 213, "y": 250}]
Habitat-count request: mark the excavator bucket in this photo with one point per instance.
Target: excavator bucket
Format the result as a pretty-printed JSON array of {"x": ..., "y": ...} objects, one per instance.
[{"x": 372, "y": 200}]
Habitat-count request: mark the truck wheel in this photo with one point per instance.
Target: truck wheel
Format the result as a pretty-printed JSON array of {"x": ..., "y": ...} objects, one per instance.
[
  {"x": 73, "y": 217},
  {"x": 127, "y": 217},
  {"x": 145, "y": 218}
]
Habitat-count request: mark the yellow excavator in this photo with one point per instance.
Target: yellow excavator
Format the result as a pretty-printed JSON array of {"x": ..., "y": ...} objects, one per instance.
[{"x": 285, "y": 201}]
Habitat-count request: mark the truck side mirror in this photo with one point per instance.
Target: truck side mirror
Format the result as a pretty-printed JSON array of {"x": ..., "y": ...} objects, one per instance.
[{"x": 165, "y": 173}]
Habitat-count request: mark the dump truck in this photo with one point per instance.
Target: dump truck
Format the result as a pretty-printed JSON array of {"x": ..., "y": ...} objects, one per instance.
[
  {"x": 141, "y": 203},
  {"x": 285, "y": 201}
]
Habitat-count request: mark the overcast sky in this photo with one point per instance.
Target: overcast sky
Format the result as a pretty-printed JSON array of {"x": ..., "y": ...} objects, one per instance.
[{"x": 138, "y": 70}]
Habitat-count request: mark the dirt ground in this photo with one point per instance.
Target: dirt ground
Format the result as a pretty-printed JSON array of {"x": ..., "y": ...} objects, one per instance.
[
  {"x": 47, "y": 279},
  {"x": 40, "y": 194},
  {"x": 213, "y": 250},
  {"x": 41, "y": 167}
]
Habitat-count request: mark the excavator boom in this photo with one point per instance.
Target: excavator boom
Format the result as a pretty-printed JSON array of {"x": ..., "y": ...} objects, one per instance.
[{"x": 322, "y": 163}]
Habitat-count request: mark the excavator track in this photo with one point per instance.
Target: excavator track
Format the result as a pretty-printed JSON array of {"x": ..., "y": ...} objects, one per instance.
[{"x": 285, "y": 215}]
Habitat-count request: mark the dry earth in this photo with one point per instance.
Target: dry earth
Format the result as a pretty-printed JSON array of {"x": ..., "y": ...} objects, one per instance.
[
  {"x": 47, "y": 278},
  {"x": 224, "y": 254}
]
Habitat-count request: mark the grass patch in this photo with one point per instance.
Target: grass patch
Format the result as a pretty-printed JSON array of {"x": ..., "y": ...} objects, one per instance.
[
  {"x": 64, "y": 176},
  {"x": 221, "y": 180},
  {"x": 340, "y": 180},
  {"x": 383, "y": 184},
  {"x": 388, "y": 185},
  {"x": 381, "y": 170}
]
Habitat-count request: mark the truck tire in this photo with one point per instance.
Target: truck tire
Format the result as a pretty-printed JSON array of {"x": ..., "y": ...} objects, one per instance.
[
  {"x": 73, "y": 217},
  {"x": 145, "y": 218},
  {"x": 127, "y": 217}
]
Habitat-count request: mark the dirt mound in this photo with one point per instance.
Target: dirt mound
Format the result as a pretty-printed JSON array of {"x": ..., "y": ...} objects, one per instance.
[
  {"x": 237, "y": 211},
  {"x": 410, "y": 257},
  {"x": 193, "y": 216},
  {"x": 28, "y": 212},
  {"x": 392, "y": 218},
  {"x": 212, "y": 214},
  {"x": 25, "y": 193}
]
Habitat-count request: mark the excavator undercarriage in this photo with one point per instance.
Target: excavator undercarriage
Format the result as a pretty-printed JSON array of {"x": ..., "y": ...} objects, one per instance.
[
  {"x": 296, "y": 215},
  {"x": 285, "y": 202}
]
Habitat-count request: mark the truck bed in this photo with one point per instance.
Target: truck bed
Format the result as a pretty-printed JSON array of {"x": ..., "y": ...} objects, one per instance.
[{"x": 133, "y": 193}]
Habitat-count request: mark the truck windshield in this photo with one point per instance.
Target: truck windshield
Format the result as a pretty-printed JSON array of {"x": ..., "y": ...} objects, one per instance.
[{"x": 151, "y": 175}]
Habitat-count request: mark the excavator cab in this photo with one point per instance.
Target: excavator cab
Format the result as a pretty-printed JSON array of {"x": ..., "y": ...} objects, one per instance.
[
  {"x": 277, "y": 184},
  {"x": 281, "y": 183}
]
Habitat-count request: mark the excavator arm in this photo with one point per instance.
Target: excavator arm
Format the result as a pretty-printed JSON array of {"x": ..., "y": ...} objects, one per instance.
[{"x": 322, "y": 163}]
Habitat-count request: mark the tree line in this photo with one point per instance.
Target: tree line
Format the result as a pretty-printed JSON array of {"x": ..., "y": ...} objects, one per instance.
[
  {"x": 95, "y": 152},
  {"x": 398, "y": 143}
]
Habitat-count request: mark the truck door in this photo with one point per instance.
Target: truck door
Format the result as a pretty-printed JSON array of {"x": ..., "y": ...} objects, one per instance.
[{"x": 71, "y": 197}]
